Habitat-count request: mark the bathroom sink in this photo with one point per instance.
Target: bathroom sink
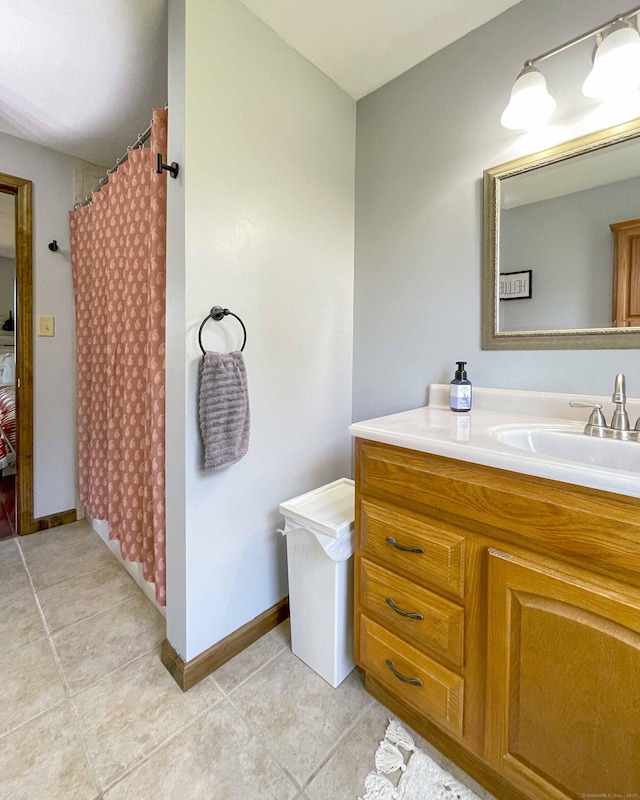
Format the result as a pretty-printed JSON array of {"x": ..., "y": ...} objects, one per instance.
[{"x": 569, "y": 443}]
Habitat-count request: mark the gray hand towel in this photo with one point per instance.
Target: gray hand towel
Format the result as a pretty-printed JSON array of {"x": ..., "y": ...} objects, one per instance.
[{"x": 223, "y": 409}]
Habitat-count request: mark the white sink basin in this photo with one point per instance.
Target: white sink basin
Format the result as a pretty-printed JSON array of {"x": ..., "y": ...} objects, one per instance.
[{"x": 569, "y": 443}]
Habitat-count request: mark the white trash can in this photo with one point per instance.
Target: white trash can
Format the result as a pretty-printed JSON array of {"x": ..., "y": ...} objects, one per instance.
[{"x": 319, "y": 530}]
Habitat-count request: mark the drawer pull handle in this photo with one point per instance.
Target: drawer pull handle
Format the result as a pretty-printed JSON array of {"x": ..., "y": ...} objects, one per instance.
[
  {"x": 403, "y": 547},
  {"x": 402, "y": 612},
  {"x": 412, "y": 681}
]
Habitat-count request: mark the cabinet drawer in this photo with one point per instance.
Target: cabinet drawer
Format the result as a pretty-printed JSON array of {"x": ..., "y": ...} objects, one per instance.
[
  {"x": 419, "y": 616},
  {"x": 436, "y": 554},
  {"x": 435, "y": 691}
]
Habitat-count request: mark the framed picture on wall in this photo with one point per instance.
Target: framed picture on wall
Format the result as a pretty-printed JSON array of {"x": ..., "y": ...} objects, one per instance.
[{"x": 515, "y": 285}]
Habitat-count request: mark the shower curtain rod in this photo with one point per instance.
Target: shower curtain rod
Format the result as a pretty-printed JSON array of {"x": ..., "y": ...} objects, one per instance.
[{"x": 139, "y": 142}]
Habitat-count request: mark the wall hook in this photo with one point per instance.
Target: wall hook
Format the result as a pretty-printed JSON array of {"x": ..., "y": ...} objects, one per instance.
[
  {"x": 172, "y": 168},
  {"x": 53, "y": 246}
]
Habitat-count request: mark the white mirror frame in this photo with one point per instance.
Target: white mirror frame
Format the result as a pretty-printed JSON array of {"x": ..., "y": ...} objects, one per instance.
[{"x": 588, "y": 339}]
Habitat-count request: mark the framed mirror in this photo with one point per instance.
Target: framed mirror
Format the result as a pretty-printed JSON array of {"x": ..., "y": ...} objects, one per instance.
[{"x": 561, "y": 250}]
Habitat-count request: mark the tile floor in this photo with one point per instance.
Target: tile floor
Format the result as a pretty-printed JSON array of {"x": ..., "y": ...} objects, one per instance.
[{"x": 88, "y": 712}]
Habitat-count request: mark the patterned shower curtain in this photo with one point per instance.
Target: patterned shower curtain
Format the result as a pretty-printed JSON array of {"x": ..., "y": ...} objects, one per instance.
[{"x": 118, "y": 264}]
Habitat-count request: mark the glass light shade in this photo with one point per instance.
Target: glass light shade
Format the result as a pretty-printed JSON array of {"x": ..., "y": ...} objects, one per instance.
[
  {"x": 616, "y": 65},
  {"x": 531, "y": 104}
]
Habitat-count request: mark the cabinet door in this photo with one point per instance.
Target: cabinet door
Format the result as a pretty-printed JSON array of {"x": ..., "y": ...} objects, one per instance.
[
  {"x": 563, "y": 680},
  {"x": 626, "y": 273}
]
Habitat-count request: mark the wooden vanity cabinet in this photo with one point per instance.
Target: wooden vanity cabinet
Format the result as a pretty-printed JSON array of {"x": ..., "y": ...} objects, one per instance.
[{"x": 499, "y": 615}]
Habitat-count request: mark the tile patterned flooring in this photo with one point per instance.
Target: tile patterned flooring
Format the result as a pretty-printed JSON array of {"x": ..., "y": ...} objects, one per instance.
[{"x": 88, "y": 712}]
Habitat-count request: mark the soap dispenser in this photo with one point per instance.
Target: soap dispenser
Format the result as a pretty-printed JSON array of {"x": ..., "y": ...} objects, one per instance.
[{"x": 460, "y": 389}]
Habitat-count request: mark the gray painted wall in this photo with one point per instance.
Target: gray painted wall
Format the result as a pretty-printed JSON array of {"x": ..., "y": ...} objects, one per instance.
[
  {"x": 268, "y": 222},
  {"x": 423, "y": 141},
  {"x": 54, "y": 402},
  {"x": 568, "y": 245}
]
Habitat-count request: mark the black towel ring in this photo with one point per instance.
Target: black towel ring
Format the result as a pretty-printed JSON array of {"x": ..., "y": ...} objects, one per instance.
[{"x": 218, "y": 313}]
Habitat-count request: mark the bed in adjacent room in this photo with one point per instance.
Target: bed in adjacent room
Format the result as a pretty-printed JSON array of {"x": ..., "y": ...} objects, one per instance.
[{"x": 7, "y": 426}]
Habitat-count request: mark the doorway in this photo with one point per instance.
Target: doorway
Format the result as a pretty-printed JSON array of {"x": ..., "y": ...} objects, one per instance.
[
  {"x": 16, "y": 195},
  {"x": 7, "y": 366}
]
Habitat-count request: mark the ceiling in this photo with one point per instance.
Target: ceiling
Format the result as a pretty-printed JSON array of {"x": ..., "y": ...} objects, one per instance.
[
  {"x": 363, "y": 44},
  {"x": 82, "y": 76}
]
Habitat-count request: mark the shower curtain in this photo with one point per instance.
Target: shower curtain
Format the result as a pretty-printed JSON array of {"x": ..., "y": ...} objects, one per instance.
[{"x": 118, "y": 265}]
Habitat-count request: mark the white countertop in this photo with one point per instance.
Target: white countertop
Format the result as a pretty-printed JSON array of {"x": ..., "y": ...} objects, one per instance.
[{"x": 467, "y": 436}]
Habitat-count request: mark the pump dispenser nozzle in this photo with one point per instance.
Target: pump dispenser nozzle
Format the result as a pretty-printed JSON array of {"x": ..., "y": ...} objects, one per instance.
[{"x": 461, "y": 372}]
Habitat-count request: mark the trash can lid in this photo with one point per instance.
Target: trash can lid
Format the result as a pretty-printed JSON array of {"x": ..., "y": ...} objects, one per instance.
[{"x": 329, "y": 509}]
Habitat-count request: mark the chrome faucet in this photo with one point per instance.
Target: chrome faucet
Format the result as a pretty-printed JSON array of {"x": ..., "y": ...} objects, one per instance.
[{"x": 620, "y": 427}]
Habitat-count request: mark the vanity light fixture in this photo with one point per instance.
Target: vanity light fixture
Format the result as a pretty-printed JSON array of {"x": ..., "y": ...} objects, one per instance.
[
  {"x": 616, "y": 63},
  {"x": 616, "y": 71},
  {"x": 530, "y": 104}
]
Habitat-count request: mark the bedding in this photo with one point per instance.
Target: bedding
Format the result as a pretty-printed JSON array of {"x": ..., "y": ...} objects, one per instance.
[{"x": 7, "y": 426}]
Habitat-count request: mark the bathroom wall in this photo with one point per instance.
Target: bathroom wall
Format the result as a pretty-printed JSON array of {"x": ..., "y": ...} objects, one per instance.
[
  {"x": 264, "y": 208},
  {"x": 176, "y": 357},
  {"x": 423, "y": 141},
  {"x": 54, "y": 362},
  {"x": 86, "y": 176}
]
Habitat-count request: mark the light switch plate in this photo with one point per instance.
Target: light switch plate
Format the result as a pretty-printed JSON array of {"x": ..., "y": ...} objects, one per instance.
[{"x": 46, "y": 326}]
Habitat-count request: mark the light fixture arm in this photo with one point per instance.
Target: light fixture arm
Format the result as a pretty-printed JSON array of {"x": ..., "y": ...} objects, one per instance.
[{"x": 595, "y": 32}]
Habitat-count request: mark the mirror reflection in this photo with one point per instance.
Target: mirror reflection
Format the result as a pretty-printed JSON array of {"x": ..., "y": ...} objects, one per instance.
[
  {"x": 7, "y": 270},
  {"x": 562, "y": 246},
  {"x": 561, "y": 221}
]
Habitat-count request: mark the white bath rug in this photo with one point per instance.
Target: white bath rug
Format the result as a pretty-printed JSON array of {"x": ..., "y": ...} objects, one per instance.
[{"x": 420, "y": 777}]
